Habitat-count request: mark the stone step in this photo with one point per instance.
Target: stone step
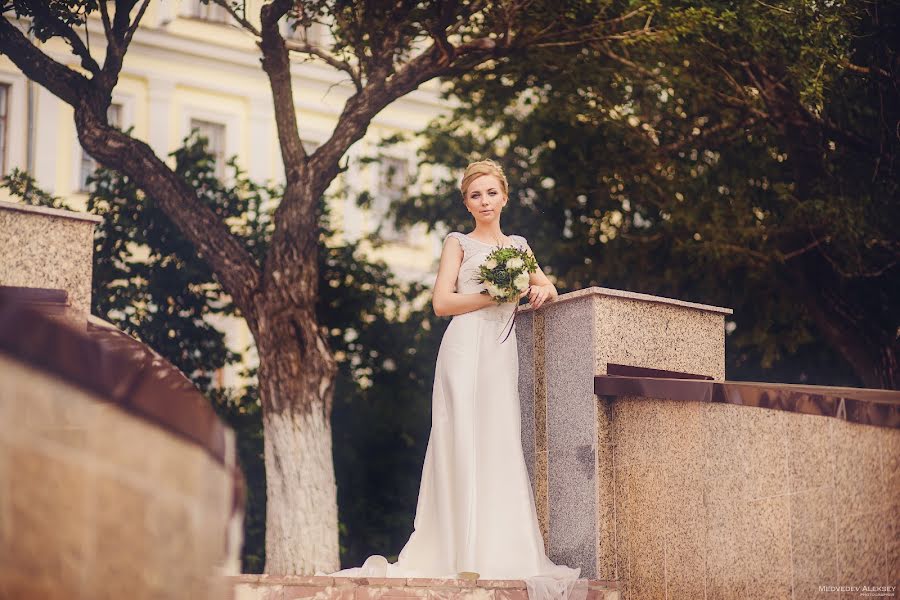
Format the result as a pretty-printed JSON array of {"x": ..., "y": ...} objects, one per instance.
[{"x": 272, "y": 587}]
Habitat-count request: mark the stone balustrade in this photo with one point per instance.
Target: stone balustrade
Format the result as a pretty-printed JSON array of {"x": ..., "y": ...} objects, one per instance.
[{"x": 691, "y": 498}]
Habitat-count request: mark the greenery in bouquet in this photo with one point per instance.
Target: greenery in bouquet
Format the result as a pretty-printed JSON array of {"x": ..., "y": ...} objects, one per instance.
[{"x": 505, "y": 273}]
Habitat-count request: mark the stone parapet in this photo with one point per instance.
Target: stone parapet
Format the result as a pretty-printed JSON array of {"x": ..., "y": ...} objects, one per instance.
[
  {"x": 566, "y": 433},
  {"x": 725, "y": 495},
  {"x": 48, "y": 249}
]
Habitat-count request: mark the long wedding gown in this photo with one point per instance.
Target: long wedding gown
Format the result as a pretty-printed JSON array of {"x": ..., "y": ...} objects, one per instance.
[{"x": 475, "y": 510}]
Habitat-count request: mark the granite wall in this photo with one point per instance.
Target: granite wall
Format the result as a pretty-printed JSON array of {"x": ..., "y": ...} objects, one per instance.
[
  {"x": 567, "y": 433},
  {"x": 48, "y": 248},
  {"x": 96, "y": 503},
  {"x": 690, "y": 499},
  {"x": 726, "y": 501}
]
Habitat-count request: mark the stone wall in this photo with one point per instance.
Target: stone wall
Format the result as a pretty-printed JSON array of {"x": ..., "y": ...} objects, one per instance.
[
  {"x": 690, "y": 499},
  {"x": 566, "y": 432},
  {"x": 96, "y": 503},
  {"x": 50, "y": 249},
  {"x": 726, "y": 501}
]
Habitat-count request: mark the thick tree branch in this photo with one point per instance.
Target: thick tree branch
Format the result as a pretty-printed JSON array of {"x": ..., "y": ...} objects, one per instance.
[
  {"x": 118, "y": 37},
  {"x": 122, "y": 18},
  {"x": 104, "y": 16},
  {"x": 134, "y": 25},
  {"x": 42, "y": 11},
  {"x": 363, "y": 106},
  {"x": 232, "y": 264},
  {"x": 276, "y": 63},
  {"x": 62, "y": 81}
]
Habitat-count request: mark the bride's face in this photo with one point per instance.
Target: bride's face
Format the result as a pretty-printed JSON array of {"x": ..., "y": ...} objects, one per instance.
[{"x": 485, "y": 199}]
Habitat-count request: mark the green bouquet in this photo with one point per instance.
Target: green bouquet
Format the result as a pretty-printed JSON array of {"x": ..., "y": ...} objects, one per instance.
[{"x": 506, "y": 274}]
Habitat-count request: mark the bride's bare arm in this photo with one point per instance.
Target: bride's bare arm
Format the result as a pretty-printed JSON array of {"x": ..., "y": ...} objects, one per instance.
[
  {"x": 445, "y": 300},
  {"x": 541, "y": 289}
]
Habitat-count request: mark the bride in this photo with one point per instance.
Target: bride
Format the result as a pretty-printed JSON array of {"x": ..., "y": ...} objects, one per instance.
[{"x": 475, "y": 515}]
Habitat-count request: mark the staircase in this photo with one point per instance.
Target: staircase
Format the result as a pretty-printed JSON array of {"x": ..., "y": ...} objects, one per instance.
[{"x": 271, "y": 587}]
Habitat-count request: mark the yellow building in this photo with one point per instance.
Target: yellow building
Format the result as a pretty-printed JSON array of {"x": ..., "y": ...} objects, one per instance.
[{"x": 189, "y": 66}]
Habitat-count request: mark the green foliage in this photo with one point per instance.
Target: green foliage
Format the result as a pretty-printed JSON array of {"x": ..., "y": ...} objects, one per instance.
[
  {"x": 656, "y": 165},
  {"x": 48, "y": 17}
]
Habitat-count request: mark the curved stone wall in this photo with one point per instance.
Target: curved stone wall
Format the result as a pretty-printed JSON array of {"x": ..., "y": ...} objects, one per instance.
[{"x": 96, "y": 502}]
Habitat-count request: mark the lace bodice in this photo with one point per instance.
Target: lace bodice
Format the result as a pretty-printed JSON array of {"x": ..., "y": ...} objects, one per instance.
[{"x": 474, "y": 253}]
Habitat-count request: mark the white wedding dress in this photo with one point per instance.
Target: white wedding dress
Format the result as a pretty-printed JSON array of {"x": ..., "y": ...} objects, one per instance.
[{"x": 476, "y": 510}]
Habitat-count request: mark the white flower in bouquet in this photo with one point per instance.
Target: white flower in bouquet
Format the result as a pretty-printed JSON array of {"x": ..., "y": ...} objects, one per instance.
[
  {"x": 490, "y": 263},
  {"x": 515, "y": 263},
  {"x": 495, "y": 291},
  {"x": 521, "y": 281}
]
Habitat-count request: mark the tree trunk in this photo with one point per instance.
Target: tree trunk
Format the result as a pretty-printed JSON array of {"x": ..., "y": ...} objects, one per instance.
[
  {"x": 850, "y": 329},
  {"x": 837, "y": 304},
  {"x": 301, "y": 509},
  {"x": 296, "y": 384}
]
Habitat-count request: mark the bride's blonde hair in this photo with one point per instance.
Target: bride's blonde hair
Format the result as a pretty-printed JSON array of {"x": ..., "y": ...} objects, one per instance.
[{"x": 483, "y": 167}]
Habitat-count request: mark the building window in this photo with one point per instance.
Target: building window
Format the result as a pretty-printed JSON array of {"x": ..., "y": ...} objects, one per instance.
[
  {"x": 314, "y": 35},
  {"x": 214, "y": 133},
  {"x": 210, "y": 11},
  {"x": 391, "y": 185},
  {"x": 4, "y": 120},
  {"x": 88, "y": 164}
]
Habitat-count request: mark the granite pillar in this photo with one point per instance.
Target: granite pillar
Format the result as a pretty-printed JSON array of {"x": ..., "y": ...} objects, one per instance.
[
  {"x": 581, "y": 461},
  {"x": 49, "y": 249}
]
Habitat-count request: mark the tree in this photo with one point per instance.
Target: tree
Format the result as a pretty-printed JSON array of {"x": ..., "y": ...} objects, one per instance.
[
  {"x": 386, "y": 49},
  {"x": 745, "y": 155}
]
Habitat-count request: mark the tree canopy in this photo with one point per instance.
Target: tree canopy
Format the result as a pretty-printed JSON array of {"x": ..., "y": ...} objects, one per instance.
[{"x": 743, "y": 155}]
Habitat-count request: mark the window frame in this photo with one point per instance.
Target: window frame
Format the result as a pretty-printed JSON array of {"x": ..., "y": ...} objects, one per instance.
[
  {"x": 385, "y": 197},
  {"x": 220, "y": 156},
  {"x": 194, "y": 9},
  {"x": 7, "y": 91},
  {"x": 234, "y": 129}
]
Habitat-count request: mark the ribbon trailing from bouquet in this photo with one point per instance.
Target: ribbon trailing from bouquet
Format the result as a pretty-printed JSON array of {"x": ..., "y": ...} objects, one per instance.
[{"x": 511, "y": 322}]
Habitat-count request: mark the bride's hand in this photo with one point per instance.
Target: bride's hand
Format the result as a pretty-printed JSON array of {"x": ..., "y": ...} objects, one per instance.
[{"x": 538, "y": 294}]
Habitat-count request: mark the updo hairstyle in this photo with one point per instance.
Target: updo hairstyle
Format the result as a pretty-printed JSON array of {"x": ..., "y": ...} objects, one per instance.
[{"x": 483, "y": 167}]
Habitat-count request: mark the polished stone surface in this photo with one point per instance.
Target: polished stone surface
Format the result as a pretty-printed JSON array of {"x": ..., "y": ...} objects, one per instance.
[
  {"x": 625, "y": 294},
  {"x": 571, "y": 434},
  {"x": 746, "y": 512},
  {"x": 48, "y": 248},
  {"x": 525, "y": 339},
  {"x": 692, "y": 499},
  {"x": 659, "y": 336},
  {"x": 587, "y": 442}
]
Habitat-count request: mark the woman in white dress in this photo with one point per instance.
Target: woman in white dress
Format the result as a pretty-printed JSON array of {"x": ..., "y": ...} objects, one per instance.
[{"x": 475, "y": 511}]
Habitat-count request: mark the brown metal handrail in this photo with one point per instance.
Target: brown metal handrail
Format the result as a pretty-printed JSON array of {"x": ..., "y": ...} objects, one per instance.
[{"x": 856, "y": 405}]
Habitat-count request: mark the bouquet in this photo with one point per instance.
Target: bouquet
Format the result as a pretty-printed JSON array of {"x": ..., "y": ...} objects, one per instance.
[{"x": 505, "y": 273}]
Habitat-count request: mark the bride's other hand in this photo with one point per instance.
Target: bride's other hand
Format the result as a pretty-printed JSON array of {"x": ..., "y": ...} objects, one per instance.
[{"x": 538, "y": 294}]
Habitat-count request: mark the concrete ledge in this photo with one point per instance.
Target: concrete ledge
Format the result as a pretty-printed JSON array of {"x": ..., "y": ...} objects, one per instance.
[
  {"x": 602, "y": 291},
  {"x": 290, "y": 587},
  {"x": 52, "y": 212}
]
